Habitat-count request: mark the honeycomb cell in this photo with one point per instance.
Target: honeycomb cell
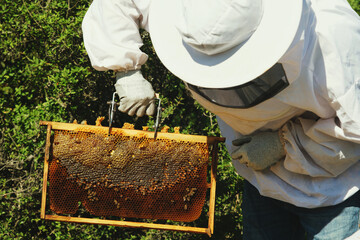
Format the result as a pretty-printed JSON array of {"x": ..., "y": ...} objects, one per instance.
[{"x": 127, "y": 176}]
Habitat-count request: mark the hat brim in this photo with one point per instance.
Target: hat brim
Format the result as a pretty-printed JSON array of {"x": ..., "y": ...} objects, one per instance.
[{"x": 234, "y": 67}]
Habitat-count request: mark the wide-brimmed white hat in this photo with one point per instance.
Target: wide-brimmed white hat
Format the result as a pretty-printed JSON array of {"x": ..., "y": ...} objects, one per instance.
[{"x": 222, "y": 43}]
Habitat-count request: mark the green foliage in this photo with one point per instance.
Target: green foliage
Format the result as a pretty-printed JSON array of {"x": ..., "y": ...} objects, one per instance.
[
  {"x": 355, "y": 4},
  {"x": 46, "y": 75}
]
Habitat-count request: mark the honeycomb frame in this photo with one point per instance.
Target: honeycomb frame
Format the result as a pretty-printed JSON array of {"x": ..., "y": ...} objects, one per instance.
[{"x": 211, "y": 141}]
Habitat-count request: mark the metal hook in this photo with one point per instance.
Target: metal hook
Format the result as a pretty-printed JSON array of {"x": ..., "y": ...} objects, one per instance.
[
  {"x": 112, "y": 110},
  {"x": 158, "y": 116}
]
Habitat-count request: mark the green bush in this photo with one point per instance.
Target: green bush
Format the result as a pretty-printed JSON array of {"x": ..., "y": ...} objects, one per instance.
[
  {"x": 355, "y": 4},
  {"x": 46, "y": 75}
]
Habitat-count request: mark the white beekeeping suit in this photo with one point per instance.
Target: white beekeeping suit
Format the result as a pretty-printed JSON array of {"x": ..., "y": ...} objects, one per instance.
[{"x": 318, "y": 113}]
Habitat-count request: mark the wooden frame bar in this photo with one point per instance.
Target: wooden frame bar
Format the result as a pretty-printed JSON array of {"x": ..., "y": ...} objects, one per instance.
[
  {"x": 129, "y": 224},
  {"x": 46, "y": 170},
  {"x": 212, "y": 185},
  {"x": 213, "y": 188},
  {"x": 130, "y": 132}
]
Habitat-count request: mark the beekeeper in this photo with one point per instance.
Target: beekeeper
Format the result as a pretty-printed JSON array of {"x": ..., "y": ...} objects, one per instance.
[{"x": 283, "y": 78}]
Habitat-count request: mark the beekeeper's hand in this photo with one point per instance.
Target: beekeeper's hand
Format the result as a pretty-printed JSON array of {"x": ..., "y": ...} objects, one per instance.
[
  {"x": 136, "y": 94},
  {"x": 259, "y": 151}
]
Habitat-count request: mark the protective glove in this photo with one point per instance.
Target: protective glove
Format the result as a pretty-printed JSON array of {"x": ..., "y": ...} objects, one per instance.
[
  {"x": 259, "y": 151},
  {"x": 136, "y": 94}
]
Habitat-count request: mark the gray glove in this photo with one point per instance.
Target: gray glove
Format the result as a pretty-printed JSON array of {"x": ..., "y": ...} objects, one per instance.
[
  {"x": 136, "y": 94},
  {"x": 259, "y": 151}
]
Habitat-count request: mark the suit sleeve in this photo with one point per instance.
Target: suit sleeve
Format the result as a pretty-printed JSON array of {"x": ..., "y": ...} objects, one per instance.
[{"x": 111, "y": 34}]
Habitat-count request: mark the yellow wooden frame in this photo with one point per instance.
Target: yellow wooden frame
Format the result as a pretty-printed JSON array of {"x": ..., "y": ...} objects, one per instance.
[{"x": 212, "y": 185}]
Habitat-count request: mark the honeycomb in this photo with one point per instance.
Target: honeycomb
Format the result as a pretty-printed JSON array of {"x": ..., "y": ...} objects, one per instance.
[{"x": 127, "y": 176}]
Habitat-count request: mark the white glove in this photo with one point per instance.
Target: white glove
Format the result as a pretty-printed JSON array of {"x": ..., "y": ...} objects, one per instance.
[{"x": 136, "y": 94}]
